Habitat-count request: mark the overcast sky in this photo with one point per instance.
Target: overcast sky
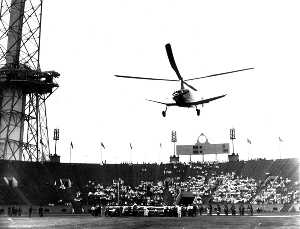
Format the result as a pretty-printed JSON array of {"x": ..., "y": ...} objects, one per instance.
[{"x": 88, "y": 42}]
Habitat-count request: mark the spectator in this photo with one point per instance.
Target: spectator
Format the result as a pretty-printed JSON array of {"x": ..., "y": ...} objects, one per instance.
[
  {"x": 30, "y": 211},
  {"x": 232, "y": 208},
  {"x": 226, "y": 209},
  {"x": 9, "y": 211},
  {"x": 218, "y": 209},
  {"x": 179, "y": 211},
  {"x": 201, "y": 209},
  {"x": 210, "y": 209},
  {"x": 41, "y": 213},
  {"x": 250, "y": 209},
  {"x": 240, "y": 209}
]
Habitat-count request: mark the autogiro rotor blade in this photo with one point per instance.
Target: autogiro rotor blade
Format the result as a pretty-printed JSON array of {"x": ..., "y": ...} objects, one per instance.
[
  {"x": 172, "y": 61},
  {"x": 144, "y": 78},
  {"x": 218, "y": 74}
]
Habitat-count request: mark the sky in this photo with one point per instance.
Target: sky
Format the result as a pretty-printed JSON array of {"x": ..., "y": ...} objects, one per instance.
[{"x": 88, "y": 42}]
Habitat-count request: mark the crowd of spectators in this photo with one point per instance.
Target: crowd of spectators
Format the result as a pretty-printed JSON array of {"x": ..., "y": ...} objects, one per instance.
[
  {"x": 159, "y": 185},
  {"x": 278, "y": 190},
  {"x": 208, "y": 186},
  {"x": 234, "y": 189},
  {"x": 118, "y": 193}
]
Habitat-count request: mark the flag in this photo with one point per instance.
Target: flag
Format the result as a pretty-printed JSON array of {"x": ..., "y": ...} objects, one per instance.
[
  {"x": 279, "y": 138},
  {"x": 72, "y": 145},
  {"x": 102, "y": 145},
  {"x": 130, "y": 146},
  {"x": 249, "y": 141}
]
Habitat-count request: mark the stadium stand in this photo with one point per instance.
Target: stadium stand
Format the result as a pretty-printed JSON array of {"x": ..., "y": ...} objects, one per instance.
[{"x": 255, "y": 181}]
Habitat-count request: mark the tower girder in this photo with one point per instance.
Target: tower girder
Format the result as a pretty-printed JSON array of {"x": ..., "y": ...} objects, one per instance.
[{"x": 24, "y": 88}]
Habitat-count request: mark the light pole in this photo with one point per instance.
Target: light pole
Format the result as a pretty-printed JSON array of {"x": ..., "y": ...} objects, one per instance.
[
  {"x": 174, "y": 139},
  {"x": 232, "y": 137},
  {"x": 56, "y": 138},
  {"x": 200, "y": 141}
]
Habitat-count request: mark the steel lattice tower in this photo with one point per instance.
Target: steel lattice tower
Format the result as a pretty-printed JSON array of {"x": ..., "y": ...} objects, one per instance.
[{"x": 24, "y": 88}]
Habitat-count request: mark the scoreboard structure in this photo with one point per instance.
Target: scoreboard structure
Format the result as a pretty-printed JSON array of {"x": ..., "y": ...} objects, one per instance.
[{"x": 202, "y": 149}]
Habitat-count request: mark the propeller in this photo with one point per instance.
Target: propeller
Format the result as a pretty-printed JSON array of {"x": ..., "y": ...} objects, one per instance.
[
  {"x": 190, "y": 86},
  {"x": 174, "y": 66}
]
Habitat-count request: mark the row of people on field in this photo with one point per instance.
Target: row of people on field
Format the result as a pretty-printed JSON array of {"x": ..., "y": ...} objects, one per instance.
[
  {"x": 17, "y": 211},
  {"x": 227, "y": 209},
  {"x": 176, "y": 211}
]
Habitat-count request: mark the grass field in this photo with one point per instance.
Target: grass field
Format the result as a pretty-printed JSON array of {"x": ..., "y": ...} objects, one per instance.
[{"x": 257, "y": 221}]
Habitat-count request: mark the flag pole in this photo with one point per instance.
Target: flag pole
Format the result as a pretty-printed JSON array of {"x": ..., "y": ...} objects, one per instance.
[
  {"x": 248, "y": 149},
  {"x": 279, "y": 151},
  {"x": 279, "y": 144},
  {"x": 249, "y": 145},
  {"x": 70, "y": 151},
  {"x": 102, "y": 147},
  {"x": 159, "y": 152},
  {"x": 130, "y": 154},
  {"x": 101, "y": 162}
]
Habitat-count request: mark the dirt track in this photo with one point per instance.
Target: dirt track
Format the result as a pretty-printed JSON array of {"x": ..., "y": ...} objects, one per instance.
[{"x": 259, "y": 221}]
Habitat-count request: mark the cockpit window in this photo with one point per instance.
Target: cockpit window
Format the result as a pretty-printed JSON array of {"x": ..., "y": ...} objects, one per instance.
[
  {"x": 176, "y": 93},
  {"x": 179, "y": 92}
]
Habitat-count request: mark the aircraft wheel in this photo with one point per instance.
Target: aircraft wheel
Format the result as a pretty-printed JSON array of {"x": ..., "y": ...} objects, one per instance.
[
  {"x": 198, "y": 111},
  {"x": 164, "y": 114}
]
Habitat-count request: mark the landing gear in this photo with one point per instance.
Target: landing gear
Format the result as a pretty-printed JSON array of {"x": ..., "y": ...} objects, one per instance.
[
  {"x": 164, "y": 113},
  {"x": 198, "y": 111}
]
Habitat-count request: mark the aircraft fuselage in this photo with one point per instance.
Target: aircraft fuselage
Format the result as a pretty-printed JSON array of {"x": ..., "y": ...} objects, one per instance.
[{"x": 182, "y": 97}]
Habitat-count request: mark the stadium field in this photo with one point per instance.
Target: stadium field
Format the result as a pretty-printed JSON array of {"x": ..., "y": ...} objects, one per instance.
[{"x": 257, "y": 221}]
